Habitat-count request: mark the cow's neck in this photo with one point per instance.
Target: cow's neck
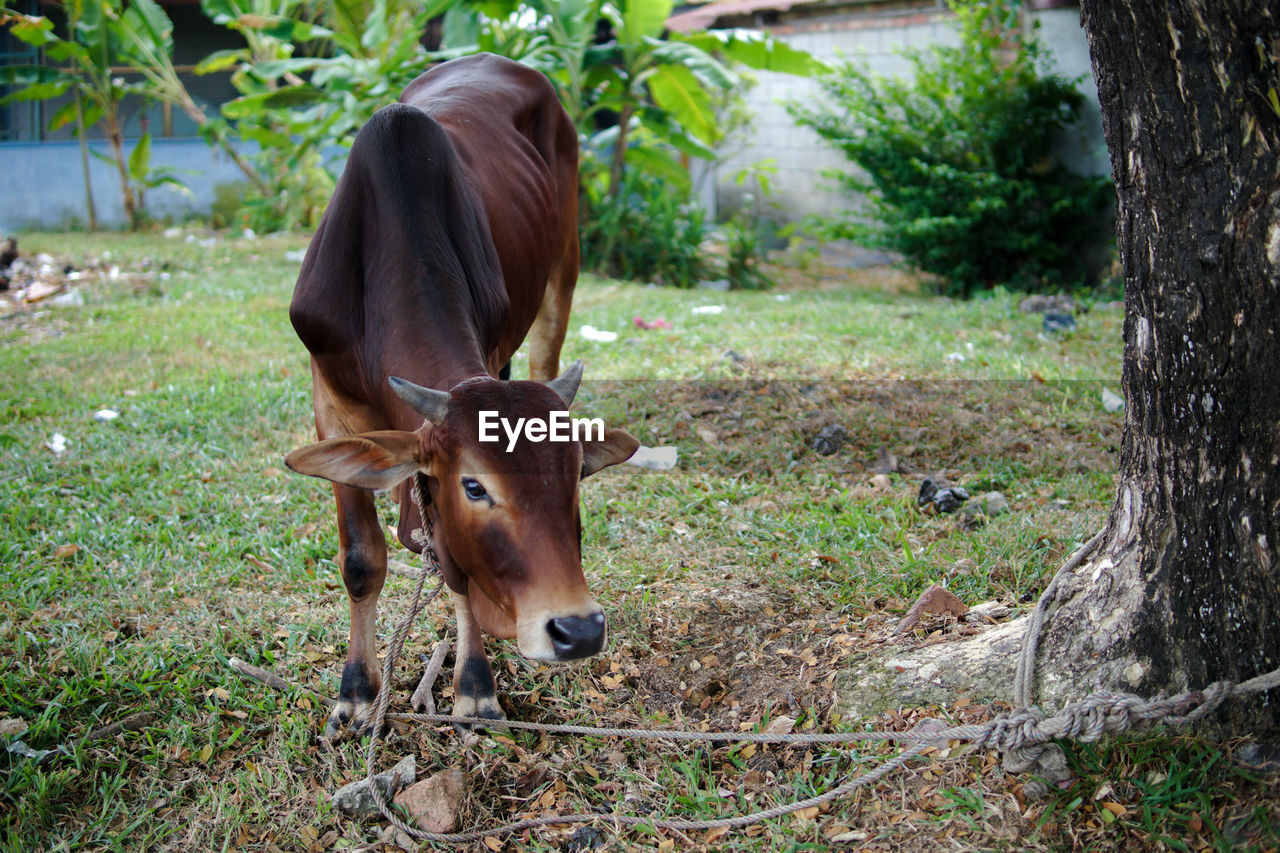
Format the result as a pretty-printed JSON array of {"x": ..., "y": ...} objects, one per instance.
[{"x": 444, "y": 353}]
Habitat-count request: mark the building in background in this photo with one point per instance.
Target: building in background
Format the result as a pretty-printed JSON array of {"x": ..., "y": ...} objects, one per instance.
[
  {"x": 41, "y": 176},
  {"x": 876, "y": 31}
]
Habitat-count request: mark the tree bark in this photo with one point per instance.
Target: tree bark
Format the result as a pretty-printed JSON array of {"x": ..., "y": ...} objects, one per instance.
[
  {"x": 90, "y": 208},
  {"x": 1185, "y": 587},
  {"x": 115, "y": 137}
]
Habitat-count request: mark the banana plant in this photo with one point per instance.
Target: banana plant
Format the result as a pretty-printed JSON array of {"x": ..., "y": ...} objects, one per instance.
[
  {"x": 143, "y": 176},
  {"x": 86, "y": 58},
  {"x": 145, "y": 34},
  {"x": 374, "y": 51},
  {"x": 667, "y": 86}
]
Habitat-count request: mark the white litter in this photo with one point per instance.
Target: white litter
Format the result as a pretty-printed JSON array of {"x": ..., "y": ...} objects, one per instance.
[
  {"x": 654, "y": 458},
  {"x": 171, "y": 233},
  {"x": 708, "y": 309},
  {"x": 105, "y": 415},
  {"x": 249, "y": 234},
  {"x": 591, "y": 333},
  {"x": 1111, "y": 401},
  {"x": 71, "y": 297},
  {"x": 57, "y": 443},
  {"x": 297, "y": 256},
  {"x": 954, "y": 356}
]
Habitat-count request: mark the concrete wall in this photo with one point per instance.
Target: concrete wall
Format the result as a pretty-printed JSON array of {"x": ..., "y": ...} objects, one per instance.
[
  {"x": 42, "y": 183},
  {"x": 801, "y": 157}
]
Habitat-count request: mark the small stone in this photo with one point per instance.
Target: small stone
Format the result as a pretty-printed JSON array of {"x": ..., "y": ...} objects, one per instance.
[
  {"x": 1044, "y": 304},
  {"x": 73, "y": 298},
  {"x": 886, "y": 462},
  {"x": 736, "y": 358},
  {"x": 1260, "y": 757},
  {"x": 881, "y": 483},
  {"x": 987, "y": 611},
  {"x": 1055, "y": 323},
  {"x": 8, "y": 252},
  {"x": 830, "y": 439},
  {"x": 950, "y": 499},
  {"x": 356, "y": 800},
  {"x": 585, "y": 838},
  {"x": 11, "y": 726},
  {"x": 434, "y": 803},
  {"x": 987, "y": 505},
  {"x": 1111, "y": 401},
  {"x": 994, "y": 503}
]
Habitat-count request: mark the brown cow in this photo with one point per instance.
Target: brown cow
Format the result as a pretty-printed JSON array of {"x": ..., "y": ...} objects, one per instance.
[{"x": 450, "y": 236}]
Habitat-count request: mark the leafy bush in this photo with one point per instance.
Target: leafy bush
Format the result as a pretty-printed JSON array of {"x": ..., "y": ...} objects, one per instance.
[
  {"x": 652, "y": 228},
  {"x": 649, "y": 229},
  {"x": 959, "y": 168}
]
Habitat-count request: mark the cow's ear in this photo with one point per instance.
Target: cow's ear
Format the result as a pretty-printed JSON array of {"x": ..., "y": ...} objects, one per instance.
[
  {"x": 372, "y": 460},
  {"x": 616, "y": 447}
]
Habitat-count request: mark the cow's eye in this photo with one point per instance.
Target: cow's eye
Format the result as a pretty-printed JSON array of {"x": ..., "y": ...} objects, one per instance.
[{"x": 474, "y": 490}]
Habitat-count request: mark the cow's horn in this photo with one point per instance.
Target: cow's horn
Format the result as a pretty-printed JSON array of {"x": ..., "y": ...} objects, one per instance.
[
  {"x": 566, "y": 384},
  {"x": 428, "y": 402}
]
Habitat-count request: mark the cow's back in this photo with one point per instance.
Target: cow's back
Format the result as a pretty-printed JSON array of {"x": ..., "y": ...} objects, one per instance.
[
  {"x": 433, "y": 256},
  {"x": 521, "y": 151}
]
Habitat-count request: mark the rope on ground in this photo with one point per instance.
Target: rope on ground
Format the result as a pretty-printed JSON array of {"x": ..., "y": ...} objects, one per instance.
[
  {"x": 1024, "y": 679},
  {"x": 1026, "y": 737},
  {"x": 1047, "y": 761}
]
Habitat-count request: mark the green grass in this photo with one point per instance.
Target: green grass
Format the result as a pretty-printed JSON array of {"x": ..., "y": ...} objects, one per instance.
[{"x": 158, "y": 545}]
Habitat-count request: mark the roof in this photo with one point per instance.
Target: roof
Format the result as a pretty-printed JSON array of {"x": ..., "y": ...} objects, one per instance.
[{"x": 702, "y": 17}]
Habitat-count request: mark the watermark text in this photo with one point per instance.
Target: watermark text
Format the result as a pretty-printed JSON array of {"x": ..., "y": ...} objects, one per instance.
[{"x": 558, "y": 427}]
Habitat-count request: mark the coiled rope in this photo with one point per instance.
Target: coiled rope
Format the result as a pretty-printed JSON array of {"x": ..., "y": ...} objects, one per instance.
[{"x": 1025, "y": 737}]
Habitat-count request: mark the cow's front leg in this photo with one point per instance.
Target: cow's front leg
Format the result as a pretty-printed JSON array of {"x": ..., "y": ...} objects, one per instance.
[
  {"x": 362, "y": 555},
  {"x": 474, "y": 692}
]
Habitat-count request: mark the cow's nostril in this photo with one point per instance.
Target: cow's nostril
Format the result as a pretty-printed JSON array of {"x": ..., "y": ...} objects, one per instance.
[{"x": 576, "y": 636}]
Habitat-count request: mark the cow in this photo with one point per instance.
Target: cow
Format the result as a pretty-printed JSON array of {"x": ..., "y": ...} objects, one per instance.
[{"x": 451, "y": 235}]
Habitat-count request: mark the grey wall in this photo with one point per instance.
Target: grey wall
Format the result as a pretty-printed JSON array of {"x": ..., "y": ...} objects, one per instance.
[
  {"x": 801, "y": 157},
  {"x": 42, "y": 183}
]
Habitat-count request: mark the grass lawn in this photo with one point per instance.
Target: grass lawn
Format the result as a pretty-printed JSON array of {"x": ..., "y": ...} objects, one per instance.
[{"x": 741, "y": 586}]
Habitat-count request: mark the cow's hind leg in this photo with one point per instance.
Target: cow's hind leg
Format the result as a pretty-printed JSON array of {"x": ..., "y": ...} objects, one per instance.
[
  {"x": 547, "y": 335},
  {"x": 475, "y": 694},
  {"x": 362, "y": 556}
]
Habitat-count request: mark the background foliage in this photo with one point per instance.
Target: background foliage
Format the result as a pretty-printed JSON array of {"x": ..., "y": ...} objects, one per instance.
[{"x": 957, "y": 160}]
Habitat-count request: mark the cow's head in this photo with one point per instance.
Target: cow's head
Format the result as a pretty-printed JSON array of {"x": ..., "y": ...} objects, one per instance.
[{"x": 507, "y": 518}]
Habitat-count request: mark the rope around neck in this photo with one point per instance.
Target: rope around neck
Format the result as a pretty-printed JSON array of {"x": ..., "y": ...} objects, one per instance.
[{"x": 1026, "y": 737}]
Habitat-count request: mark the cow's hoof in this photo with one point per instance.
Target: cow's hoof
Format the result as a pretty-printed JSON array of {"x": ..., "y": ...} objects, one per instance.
[
  {"x": 484, "y": 708},
  {"x": 348, "y": 719}
]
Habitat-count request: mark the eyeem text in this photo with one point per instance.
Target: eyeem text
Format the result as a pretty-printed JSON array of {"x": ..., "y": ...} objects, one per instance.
[{"x": 558, "y": 427}]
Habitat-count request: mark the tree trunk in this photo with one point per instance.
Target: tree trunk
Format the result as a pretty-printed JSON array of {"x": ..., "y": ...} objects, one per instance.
[
  {"x": 90, "y": 208},
  {"x": 1185, "y": 587},
  {"x": 619, "y": 163},
  {"x": 115, "y": 136}
]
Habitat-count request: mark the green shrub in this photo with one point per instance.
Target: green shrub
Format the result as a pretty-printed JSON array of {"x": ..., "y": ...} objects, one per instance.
[
  {"x": 649, "y": 230},
  {"x": 960, "y": 175},
  {"x": 744, "y": 250}
]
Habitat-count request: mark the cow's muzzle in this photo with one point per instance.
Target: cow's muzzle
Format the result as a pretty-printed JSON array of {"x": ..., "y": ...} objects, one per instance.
[{"x": 574, "y": 637}]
